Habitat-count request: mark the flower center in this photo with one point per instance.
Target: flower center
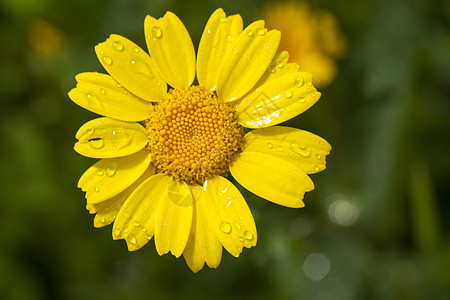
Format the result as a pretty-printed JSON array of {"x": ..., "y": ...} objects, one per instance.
[{"x": 192, "y": 135}]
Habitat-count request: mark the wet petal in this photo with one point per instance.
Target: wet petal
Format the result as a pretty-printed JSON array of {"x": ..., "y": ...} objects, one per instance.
[
  {"x": 132, "y": 67},
  {"x": 174, "y": 219},
  {"x": 217, "y": 40},
  {"x": 136, "y": 220},
  {"x": 203, "y": 245},
  {"x": 108, "y": 138},
  {"x": 109, "y": 209},
  {"x": 278, "y": 100},
  {"x": 171, "y": 47},
  {"x": 278, "y": 67},
  {"x": 101, "y": 94},
  {"x": 247, "y": 61},
  {"x": 108, "y": 177},
  {"x": 301, "y": 148},
  {"x": 271, "y": 178},
  {"x": 228, "y": 215}
]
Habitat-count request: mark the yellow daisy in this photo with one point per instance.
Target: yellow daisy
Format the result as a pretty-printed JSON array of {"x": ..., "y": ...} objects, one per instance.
[
  {"x": 313, "y": 38},
  {"x": 164, "y": 152}
]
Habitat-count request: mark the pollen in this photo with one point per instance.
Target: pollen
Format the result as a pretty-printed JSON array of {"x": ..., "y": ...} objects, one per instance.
[{"x": 192, "y": 135}]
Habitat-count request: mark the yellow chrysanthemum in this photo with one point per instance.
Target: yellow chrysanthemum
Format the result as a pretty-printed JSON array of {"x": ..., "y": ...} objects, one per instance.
[
  {"x": 164, "y": 153},
  {"x": 312, "y": 38}
]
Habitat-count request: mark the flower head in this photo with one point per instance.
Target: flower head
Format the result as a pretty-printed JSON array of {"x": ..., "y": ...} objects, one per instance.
[
  {"x": 312, "y": 38},
  {"x": 164, "y": 152}
]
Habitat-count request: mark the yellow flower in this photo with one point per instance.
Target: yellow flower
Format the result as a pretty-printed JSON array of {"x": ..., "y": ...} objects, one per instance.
[
  {"x": 312, "y": 38},
  {"x": 164, "y": 153}
]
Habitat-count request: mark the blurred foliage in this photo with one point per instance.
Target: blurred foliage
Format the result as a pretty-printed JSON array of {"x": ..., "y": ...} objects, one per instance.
[{"x": 376, "y": 227}]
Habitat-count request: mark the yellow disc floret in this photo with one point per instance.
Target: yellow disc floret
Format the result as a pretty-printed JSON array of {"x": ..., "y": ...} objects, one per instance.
[{"x": 192, "y": 135}]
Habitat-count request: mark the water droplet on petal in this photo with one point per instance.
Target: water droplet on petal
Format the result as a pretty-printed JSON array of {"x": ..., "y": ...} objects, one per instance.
[
  {"x": 132, "y": 239},
  {"x": 102, "y": 219},
  {"x": 301, "y": 100},
  {"x": 299, "y": 81},
  {"x": 147, "y": 236},
  {"x": 261, "y": 31},
  {"x": 107, "y": 60},
  {"x": 224, "y": 20},
  {"x": 102, "y": 91},
  {"x": 280, "y": 148},
  {"x": 313, "y": 95},
  {"x": 96, "y": 144},
  {"x": 309, "y": 83},
  {"x": 318, "y": 156},
  {"x": 136, "y": 49},
  {"x": 280, "y": 65},
  {"x": 157, "y": 32},
  {"x": 248, "y": 235},
  {"x": 238, "y": 226},
  {"x": 241, "y": 238},
  {"x": 116, "y": 231},
  {"x": 301, "y": 149},
  {"x": 288, "y": 94},
  {"x": 269, "y": 145},
  {"x": 111, "y": 170},
  {"x": 96, "y": 189},
  {"x": 316, "y": 168},
  {"x": 272, "y": 69},
  {"x": 118, "y": 46},
  {"x": 235, "y": 51},
  {"x": 90, "y": 131},
  {"x": 94, "y": 102},
  {"x": 136, "y": 224},
  {"x": 250, "y": 33},
  {"x": 225, "y": 227},
  {"x": 100, "y": 173}
]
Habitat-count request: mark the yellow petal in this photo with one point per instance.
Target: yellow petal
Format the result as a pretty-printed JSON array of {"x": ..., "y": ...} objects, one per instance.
[
  {"x": 277, "y": 68},
  {"x": 132, "y": 67},
  {"x": 108, "y": 138},
  {"x": 247, "y": 61},
  {"x": 301, "y": 148},
  {"x": 109, "y": 209},
  {"x": 171, "y": 47},
  {"x": 110, "y": 176},
  {"x": 228, "y": 215},
  {"x": 278, "y": 100},
  {"x": 174, "y": 219},
  {"x": 217, "y": 40},
  {"x": 101, "y": 94},
  {"x": 203, "y": 245},
  {"x": 271, "y": 178},
  {"x": 136, "y": 220}
]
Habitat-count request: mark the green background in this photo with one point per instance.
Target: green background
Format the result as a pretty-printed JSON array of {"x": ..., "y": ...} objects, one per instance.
[{"x": 376, "y": 227}]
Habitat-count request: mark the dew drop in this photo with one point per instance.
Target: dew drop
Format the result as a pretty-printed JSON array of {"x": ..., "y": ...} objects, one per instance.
[
  {"x": 241, "y": 238},
  {"x": 301, "y": 100},
  {"x": 301, "y": 150},
  {"x": 94, "y": 102},
  {"x": 102, "y": 219},
  {"x": 309, "y": 83},
  {"x": 261, "y": 31},
  {"x": 102, "y": 91},
  {"x": 157, "y": 32},
  {"x": 280, "y": 65},
  {"x": 118, "y": 46},
  {"x": 116, "y": 231},
  {"x": 280, "y": 148},
  {"x": 111, "y": 170},
  {"x": 100, "y": 173},
  {"x": 136, "y": 224},
  {"x": 313, "y": 95},
  {"x": 316, "y": 168},
  {"x": 132, "y": 239},
  {"x": 96, "y": 144},
  {"x": 138, "y": 66},
  {"x": 107, "y": 60},
  {"x": 225, "y": 227},
  {"x": 96, "y": 189},
  {"x": 136, "y": 49},
  {"x": 248, "y": 235},
  {"x": 269, "y": 145},
  {"x": 288, "y": 94},
  {"x": 318, "y": 156},
  {"x": 90, "y": 131},
  {"x": 224, "y": 20},
  {"x": 272, "y": 69},
  {"x": 238, "y": 226},
  {"x": 299, "y": 81},
  {"x": 250, "y": 33},
  {"x": 235, "y": 51},
  {"x": 147, "y": 236}
]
